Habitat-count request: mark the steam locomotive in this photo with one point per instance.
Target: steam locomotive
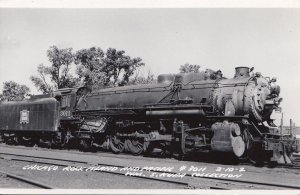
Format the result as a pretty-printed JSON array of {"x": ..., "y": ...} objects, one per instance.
[{"x": 180, "y": 115}]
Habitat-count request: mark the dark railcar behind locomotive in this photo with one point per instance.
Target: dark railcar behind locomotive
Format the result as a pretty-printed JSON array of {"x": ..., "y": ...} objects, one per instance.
[{"x": 31, "y": 115}]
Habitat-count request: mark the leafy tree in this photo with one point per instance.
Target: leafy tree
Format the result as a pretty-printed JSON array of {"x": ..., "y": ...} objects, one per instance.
[
  {"x": 117, "y": 64},
  {"x": 40, "y": 82},
  {"x": 140, "y": 79},
  {"x": 58, "y": 72},
  {"x": 186, "y": 68},
  {"x": 89, "y": 65},
  {"x": 13, "y": 91},
  {"x": 110, "y": 68}
]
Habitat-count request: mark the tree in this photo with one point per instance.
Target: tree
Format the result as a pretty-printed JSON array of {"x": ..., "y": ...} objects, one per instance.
[
  {"x": 58, "y": 72},
  {"x": 89, "y": 65},
  {"x": 140, "y": 79},
  {"x": 40, "y": 82},
  {"x": 110, "y": 68},
  {"x": 13, "y": 91},
  {"x": 186, "y": 68}
]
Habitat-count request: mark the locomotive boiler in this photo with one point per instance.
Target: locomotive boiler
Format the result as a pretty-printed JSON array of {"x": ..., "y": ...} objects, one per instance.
[{"x": 180, "y": 114}]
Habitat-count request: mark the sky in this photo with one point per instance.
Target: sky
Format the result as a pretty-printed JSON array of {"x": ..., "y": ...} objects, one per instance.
[{"x": 266, "y": 39}]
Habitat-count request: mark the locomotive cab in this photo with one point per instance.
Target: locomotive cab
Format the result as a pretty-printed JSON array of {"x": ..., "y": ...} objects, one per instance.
[{"x": 68, "y": 99}]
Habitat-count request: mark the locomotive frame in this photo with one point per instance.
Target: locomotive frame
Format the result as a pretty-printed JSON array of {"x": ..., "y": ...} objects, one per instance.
[{"x": 191, "y": 113}]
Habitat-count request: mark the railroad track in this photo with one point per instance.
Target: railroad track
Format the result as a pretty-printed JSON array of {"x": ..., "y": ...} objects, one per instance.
[
  {"x": 26, "y": 180},
  {"x": 62, "y": 163},
  {"x": 278, "y": 169},
  {"x": 187, "y": 182},
  {"x": 294, "y": 166},
  {"x": 74, "y": 151}
]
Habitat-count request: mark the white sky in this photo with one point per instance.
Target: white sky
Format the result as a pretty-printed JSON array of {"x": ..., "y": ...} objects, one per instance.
[{"x": 268, "y": 39}]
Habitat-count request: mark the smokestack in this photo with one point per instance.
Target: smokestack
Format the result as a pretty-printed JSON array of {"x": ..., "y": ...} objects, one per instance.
[{"x": 242, "y": 71}]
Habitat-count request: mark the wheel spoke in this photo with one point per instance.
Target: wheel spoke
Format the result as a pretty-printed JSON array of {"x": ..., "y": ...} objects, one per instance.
[
  {"x": 116, "y": 145},
  {"x": 135, "y": 147}
]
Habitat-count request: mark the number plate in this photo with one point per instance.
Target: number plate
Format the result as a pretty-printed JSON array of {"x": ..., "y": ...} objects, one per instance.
[{"x": 65, "y": 113}]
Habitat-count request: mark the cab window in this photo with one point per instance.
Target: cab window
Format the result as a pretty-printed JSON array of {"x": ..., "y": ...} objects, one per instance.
[{"x": 65, "y": 101}]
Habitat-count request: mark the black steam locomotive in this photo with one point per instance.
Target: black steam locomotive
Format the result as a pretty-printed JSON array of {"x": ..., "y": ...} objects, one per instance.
[{"x": 179, "y": 115}]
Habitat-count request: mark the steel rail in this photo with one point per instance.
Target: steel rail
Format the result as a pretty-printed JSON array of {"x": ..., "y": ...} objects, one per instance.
[
  {"x": 186, "y": 184},
  {"x": 73, "y": 151},
  {"x": 234, "y": 181},
  {"x": 110, "y": 172},
  {"x": 295, "y": 165},
  {"x": 26, "y": 180}
]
